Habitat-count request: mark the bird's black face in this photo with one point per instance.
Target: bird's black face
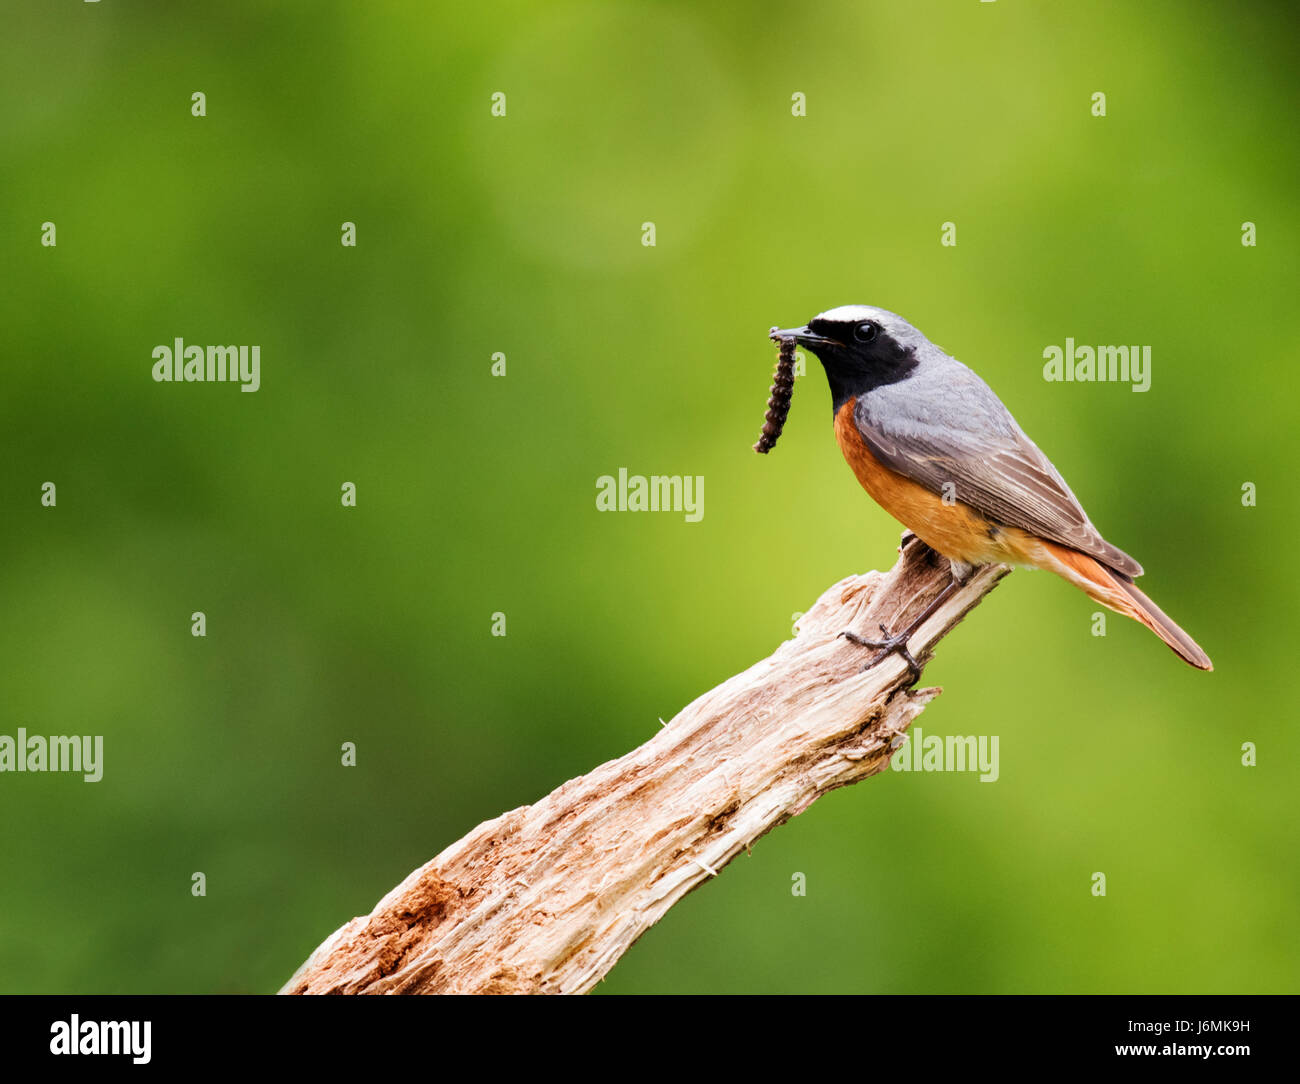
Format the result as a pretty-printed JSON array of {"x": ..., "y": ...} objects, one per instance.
[{"x": 858, "y": 352}]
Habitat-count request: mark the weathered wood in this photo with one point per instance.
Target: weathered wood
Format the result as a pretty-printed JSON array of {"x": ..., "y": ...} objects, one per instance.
[{"x": 547, "y": 897}]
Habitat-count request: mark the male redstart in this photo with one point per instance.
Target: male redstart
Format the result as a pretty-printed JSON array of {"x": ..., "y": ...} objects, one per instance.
[{"x": 935, "y": 448}]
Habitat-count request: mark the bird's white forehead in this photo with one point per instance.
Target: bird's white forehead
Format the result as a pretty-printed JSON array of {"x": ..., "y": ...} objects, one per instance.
[{"x": 852, "y": 314}]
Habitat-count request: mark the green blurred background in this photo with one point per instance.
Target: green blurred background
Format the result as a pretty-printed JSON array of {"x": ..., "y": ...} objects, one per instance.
[{"x": 476, "y": 494}]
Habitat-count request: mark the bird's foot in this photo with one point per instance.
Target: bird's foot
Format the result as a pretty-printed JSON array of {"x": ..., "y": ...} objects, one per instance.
[{"x": 890, "y": 645}]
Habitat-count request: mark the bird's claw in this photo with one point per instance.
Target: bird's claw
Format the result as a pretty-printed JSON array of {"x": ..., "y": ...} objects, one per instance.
[{"x": 890, "y": 645}]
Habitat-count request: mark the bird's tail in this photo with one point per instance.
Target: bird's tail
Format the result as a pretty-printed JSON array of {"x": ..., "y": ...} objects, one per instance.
[{"x": 1116, "y": 591}]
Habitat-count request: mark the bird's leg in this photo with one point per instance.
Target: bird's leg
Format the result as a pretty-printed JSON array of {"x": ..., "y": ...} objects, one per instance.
[{"x": 896, "y": 643}]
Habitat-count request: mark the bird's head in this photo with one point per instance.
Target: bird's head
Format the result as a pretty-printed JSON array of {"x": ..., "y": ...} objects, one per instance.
[{"x": 860, "y": 347}]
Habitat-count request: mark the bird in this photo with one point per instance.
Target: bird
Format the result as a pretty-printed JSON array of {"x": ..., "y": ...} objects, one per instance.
[{"x": 936, "y": 448}]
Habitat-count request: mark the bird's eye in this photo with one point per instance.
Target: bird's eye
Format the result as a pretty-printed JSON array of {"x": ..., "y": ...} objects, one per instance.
[{"x": 865, "y": 332}]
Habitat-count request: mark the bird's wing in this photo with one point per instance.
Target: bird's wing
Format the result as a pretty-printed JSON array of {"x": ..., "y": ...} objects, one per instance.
[{"x": 1003, "y": 476}]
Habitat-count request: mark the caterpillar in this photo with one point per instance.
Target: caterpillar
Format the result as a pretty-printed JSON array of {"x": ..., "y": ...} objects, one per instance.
[{"x": 778, "y": 400}]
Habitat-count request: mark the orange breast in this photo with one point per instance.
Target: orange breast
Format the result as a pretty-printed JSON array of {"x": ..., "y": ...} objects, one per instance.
[{"x": 954, "y": 529}]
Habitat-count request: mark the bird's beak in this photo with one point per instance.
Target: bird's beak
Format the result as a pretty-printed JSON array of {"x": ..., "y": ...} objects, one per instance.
[{"x": 804, "y": 335}]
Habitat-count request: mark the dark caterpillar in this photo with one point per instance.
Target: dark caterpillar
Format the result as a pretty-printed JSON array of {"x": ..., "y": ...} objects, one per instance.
[{"x": 778, "y": 401}]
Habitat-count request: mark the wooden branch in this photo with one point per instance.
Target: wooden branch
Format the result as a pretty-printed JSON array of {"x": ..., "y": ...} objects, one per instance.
[{"x": 547, "y": 897}]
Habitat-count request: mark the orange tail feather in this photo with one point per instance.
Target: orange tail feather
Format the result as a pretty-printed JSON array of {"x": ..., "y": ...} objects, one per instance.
[{"x": 1116, "y": 591}]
